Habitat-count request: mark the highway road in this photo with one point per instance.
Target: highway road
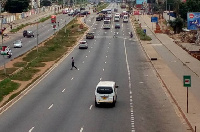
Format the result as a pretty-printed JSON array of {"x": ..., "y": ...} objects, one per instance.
[
  {"x": 45, "y": 30},
  {"x": 63, "y": 101}
]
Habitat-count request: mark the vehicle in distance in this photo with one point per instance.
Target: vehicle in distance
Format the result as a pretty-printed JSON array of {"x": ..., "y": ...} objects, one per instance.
[
  {"x": 125, "y": 18},
  {"x": 83, "y": 45},
  {"x": 106, "y": 93},
  {"x": 106, "y": 24},
  {"x": 117, "y": 26},
  {"x": 116, "y": 18},
  {"x": 17, "y": 44},
  {"x": 28, "y": 33},
  {"x": 98, "y": 18},
  {"x": 90, "y": 36}
]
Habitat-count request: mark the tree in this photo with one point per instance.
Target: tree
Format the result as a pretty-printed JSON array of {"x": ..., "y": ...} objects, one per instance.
[
  {"x": 176, "y": 24},
  {"x": 17, "y": 6},
  {"x": 189, "y": 6},
  {"x": 45, "y": 3}
]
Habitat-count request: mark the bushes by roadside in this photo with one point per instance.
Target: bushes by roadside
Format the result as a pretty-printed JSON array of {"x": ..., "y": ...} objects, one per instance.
[{"x": 140, "y": 32}]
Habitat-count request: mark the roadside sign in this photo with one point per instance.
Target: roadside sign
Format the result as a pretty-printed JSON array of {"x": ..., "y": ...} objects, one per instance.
[
  {"x": 193, "y": 20},
  {"x": 154, "y": 19},
  {"x": 136, "y": 12},
  {"x": 187, "y": 81}
]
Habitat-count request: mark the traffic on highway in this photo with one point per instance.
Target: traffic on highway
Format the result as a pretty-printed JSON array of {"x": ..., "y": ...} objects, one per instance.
[{"x": 105, "y": 84}]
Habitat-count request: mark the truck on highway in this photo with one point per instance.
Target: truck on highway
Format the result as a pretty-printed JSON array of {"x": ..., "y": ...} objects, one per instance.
[{"x": 53, "y": 18}]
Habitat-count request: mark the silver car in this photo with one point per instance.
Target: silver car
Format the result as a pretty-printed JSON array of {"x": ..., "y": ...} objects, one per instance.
[
  {"x": 17, "y": 44},
  {"x": 83, "y": 45}
]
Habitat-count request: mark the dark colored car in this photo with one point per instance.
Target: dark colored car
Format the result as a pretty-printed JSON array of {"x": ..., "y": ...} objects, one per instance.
[
  {"x": 98, "y": 18},
  {"x": 117, "y": 25},
  {"x": 90, "y": 36},
  {"x": 82, "y": 8},
  {"x": 28, "y": 33},
  {"x": 71, "y": 14},
  {"x": 84, "y": 13}
]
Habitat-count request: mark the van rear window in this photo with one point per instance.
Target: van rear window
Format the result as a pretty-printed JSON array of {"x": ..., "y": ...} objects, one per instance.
[{"x": 104, "y": 90}]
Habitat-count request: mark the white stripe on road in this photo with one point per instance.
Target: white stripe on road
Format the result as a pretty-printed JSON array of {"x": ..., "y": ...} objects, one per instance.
[
  {"x": 83, "y": 61},
  {"x": 63, "y": 90},
  {"x": 129, "y": 80},
  {"x": 81, "y": 129},
  {"x": 72, "y": 78},
  {"x": 103, "y": 69},
  {"x": 31, "y": 129},
  {"x": 91, "y": 107},
  {"x": 50, "y": 106}
]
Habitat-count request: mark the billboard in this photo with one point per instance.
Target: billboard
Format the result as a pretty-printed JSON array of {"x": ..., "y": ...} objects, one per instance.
[
  {"x": 139, "y": 2},
  {"x": 193, "y": 20}
]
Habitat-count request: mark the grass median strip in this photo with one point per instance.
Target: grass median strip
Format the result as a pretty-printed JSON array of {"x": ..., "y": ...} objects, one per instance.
[{"x": 51, "y": 50}]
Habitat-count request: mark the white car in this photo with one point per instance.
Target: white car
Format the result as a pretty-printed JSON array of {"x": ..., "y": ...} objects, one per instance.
[
  {"x": 83, "y": 45},
  {"x": 106, "y": 93},
  {"x": 125, "y": 18},
  {"x": 17, "y": 44}
]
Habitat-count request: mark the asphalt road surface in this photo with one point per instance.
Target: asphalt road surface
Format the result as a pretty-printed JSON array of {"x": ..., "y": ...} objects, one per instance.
[
  {"x": 45, "y": 30},
  {"x": 63, "y": 101}
]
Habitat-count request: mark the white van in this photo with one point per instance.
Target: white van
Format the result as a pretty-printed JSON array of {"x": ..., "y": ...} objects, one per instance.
[
  {"x": 125, "y": 18},
  {"x": 106, "y": 93},
  {"x": 117, "y": 18}
]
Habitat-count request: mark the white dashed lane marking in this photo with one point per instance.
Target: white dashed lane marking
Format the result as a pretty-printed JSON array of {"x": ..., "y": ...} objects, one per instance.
[
  {"x": 63, "y": 90},
  {"x": 31, "y": 129},
  {"x": 91, "y": 107},
  {"x": 50, "y": 106},
  {"x": 72, "y": 78}
]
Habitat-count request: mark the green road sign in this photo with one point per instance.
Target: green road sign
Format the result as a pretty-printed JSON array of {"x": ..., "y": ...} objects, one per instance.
[{"x": 187, "y": 81}]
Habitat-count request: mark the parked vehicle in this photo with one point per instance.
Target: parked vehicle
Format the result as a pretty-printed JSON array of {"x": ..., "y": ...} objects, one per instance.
[
  {"x": 28, "y": 33},
  {"x": 17, "y": 44},
  {"x": 106, "y": 93}
]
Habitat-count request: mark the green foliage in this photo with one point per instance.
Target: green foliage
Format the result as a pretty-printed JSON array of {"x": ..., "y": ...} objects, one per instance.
[
  {"x": 176, "y": 24},
  {"x": 17, "y": 6},
  {"x": 25, "y": 74},
  {"x": 6, "y": 87},
  {"x": 44, "y": 19},
  {"x": 19, "y": 28},
  {"x": 45, "y": 3},
  {"x": 189, "y": 6},
  {"x": 142, "y": 35}
]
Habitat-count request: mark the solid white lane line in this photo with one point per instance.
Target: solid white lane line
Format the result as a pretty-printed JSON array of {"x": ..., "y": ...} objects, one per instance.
[
  {"x": 50, "y": 106},
  {"x": 72, "y": 78},
  {"x": 91, "y": 107},
  {"x": 63, "y": 90},
  {"x": 129, "y": 80},
  {"x": 31, "y": 129}
]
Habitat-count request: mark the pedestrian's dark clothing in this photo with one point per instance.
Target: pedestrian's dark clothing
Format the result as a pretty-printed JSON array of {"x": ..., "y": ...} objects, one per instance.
[
  {"x": 73, "y": 64},
  {"x": 10, "y": 26}
]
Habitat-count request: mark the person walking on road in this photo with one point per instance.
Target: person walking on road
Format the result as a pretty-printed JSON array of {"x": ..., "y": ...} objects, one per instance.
[{"x": 73, "y": 64}]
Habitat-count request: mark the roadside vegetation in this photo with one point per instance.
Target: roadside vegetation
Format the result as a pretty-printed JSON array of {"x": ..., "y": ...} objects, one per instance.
[
  {"x": 140, "y": 32},
  {"x": 101, "y": 6},
  {"x": 51, "y": 51},
  {"x": 27, "y": 24}
]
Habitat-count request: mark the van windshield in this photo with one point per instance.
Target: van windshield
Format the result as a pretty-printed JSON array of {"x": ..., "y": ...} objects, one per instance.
[{"x": 104, "y": 90}]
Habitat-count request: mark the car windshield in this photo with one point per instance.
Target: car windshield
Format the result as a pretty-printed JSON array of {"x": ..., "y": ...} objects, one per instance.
[
  {"x": 104, "y": 90},
  {"x": 17, "y": 41},
  {"x": 90, "y": 33}
]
